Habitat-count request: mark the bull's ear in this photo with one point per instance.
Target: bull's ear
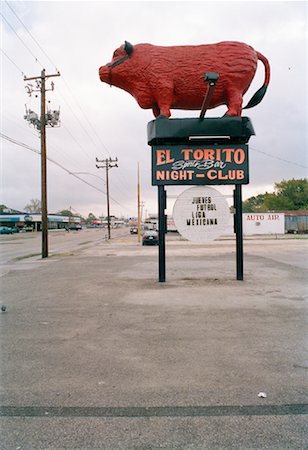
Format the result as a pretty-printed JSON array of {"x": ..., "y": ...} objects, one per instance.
[{"x": 128, "y": 47}]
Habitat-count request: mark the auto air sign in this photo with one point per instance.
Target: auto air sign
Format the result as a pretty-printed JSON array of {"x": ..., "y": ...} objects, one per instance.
[{"x": 194, "y": 165}]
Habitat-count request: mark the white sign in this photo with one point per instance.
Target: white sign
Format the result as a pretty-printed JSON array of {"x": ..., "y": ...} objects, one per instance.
[
  {"x": 263, "y": 223},
  {"x": 201, "y": 214}
]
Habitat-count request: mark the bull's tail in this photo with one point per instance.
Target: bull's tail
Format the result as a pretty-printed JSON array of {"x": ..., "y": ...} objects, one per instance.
[{"x": 258, "y": 96}]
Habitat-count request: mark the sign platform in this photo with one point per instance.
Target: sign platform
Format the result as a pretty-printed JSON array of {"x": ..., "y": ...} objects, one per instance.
[{"x": 212, "y": 130}]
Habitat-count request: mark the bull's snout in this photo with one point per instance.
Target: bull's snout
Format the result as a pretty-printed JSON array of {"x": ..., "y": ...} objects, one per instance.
[{"x": 103, "y": 73}]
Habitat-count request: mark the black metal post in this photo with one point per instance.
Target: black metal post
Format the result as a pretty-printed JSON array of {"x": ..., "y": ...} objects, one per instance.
[
  {"x": 161, "y": 233},
  {"x": 211, "y": 78},
  {"x": 239, "y": 232}
]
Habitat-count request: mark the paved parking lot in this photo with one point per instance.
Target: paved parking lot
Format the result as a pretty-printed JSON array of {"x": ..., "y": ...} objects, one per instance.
[{"x": 96, "y": 354}]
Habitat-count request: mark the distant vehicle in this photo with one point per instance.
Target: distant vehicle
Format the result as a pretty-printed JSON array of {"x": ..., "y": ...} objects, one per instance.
[
  {"x": 151, "y": 224},
  {"x": 150, "y": 238},
  {"x": 170, "y": 224},
  {"x": 26, "y": 229},
  {"x": 134, "y": 230},
  {"x": 15, "y": 229},
  {"x": 75, "y": 227},
  {"x": 6, "y": 230}
]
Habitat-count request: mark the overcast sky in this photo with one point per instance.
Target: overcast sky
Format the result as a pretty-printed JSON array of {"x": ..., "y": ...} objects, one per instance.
[{"x": 76, "y": 38}]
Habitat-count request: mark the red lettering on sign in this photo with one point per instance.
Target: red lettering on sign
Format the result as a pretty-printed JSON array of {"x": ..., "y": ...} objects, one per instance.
[
  {"x": 273, "y": 217},
  {"x": 160, "y": 175},
  {"x": 209, "y": 153},
  {"x": 228, "y": 152},
  {"x": 212, "y": 174},
  {"x": 186, "y": 152},
  {"x": 239, "y": 156},
  {"x": 198, "y": 154},
  {"x": 163, "y": 157}
]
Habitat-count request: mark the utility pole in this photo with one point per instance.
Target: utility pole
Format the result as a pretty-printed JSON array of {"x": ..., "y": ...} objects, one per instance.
[
  {"x": 107, "y": 164},
  {"x": 41, "y": 125},
  {"x": 138, "y": 205}
]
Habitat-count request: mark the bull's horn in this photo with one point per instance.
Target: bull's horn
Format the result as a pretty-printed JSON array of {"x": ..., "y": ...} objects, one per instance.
[{"x": 128, "y": 47}]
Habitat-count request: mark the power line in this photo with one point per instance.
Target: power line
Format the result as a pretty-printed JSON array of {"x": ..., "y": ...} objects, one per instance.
[
  {"x": 120, "y": 178},
  {"x": 78, "y": 120},
  {"x": 67, "y": 86},
  {"x": 7, "y": 56},
  {"x": 31, "y": 52},
  {"x": 80, "y": 108},
  {"x": 21, "y": 144},
  {"x": 277, "y": 157},
  {"x": 78, "y": 143},
  {"x": 86, "y": 118},
  {"x": 37, "y": 43},
  {"x": 25, "y": 45}
]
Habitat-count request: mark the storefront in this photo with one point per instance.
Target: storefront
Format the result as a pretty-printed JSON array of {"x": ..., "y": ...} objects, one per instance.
[{"x": 33, "y": 222}]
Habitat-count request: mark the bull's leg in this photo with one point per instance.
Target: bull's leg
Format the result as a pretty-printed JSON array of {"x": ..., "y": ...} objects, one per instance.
[
  {"x": 165, "y": 111},
  {"x": 164, "y": 99},
  {"x": 156, "y": 110},
  {"x": 235, "y": 103}
]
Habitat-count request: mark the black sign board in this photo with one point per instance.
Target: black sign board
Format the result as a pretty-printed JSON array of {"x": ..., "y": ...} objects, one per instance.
[{"x": 196, "y": 164}]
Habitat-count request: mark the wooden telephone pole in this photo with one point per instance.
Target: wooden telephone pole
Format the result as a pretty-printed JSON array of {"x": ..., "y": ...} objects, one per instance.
[
  {"x": 138, "y": 199},
  {"x": 42, "y": 127},
  {"x": 107, "y": 164}
]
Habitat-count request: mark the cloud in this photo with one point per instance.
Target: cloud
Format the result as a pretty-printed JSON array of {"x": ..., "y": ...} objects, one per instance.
[{"x": 97, "y": 121}]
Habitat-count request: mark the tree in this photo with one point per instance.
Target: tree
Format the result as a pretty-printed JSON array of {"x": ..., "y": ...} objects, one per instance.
[
  {"x": 288, "y": 195},
  {"x": 91, "y": 218},
  {"x": 295, "y": 191},
  {"x": 66, "y": 212},
  {"x": 5, "y": 209},
  {"x": 34, "y": 206},
  {"x": 254, "y": 204}
]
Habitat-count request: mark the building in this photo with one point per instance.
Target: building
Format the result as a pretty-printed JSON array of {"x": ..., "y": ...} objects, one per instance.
[
  {"x": 263, "y": 223},
  {"x": 34, "y": 221},
  {"x": 276, "y": 222},
  {"x": 296, "y": 221}
]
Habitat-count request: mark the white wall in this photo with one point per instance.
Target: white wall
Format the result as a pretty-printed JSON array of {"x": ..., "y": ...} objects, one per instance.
[{"x": 263, "y": 223}]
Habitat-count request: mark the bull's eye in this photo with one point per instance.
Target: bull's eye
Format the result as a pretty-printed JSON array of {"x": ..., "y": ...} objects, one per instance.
[{"x": 115, "y": 54}]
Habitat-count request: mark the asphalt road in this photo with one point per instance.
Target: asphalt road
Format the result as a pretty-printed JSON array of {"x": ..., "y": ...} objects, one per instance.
[
  {"x": 17, "y": 246},
  {"x": 96, "y": 354}
]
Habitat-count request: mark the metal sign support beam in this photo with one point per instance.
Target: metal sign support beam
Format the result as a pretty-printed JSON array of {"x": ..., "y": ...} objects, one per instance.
[
  {"x": 162, "y": 233},
  {"x": 239, "y": 232}
]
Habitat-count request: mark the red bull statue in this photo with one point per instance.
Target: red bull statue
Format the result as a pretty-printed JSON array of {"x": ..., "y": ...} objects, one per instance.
[{"x": 165, "y": 78}]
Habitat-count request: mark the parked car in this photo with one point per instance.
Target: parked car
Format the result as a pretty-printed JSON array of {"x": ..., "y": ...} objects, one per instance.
[
  {"x": 134, "y": 230},
  {"x": 15, "y": 229},
  {"x": 75, "y": 227},
  {"x": 6, "y": 230},
  {"x": 150, "y": 238},
  {"x": 26, "y": 228}
]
